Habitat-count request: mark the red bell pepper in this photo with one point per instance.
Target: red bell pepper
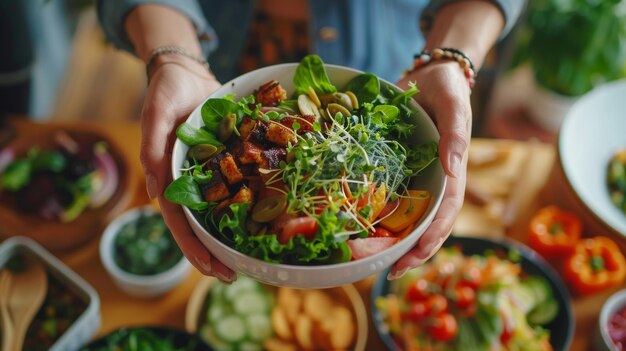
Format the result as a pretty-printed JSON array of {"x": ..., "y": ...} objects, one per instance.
[
  {"x": 596, "y": 264},
  {"x": 554, "y": 232}
]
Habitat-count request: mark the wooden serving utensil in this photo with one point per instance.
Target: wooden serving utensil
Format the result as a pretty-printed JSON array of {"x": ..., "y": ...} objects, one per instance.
[
  {"x": 7, "y": 323},
  {"x": 27, "y": 293}
]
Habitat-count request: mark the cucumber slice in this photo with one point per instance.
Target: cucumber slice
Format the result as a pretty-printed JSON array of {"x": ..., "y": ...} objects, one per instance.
[
  {"x": 540, "y": 287},
  {"x": 524, "y": 297},
  {"x": 543, "y": 313},
  {"x": 249, "y": 346},
  {"x": 231, "y": 329},
  {"x": 215, "y": 312},
  {"x": 208, "y": 335},
  {"x": 241, "y": 285},
  {"x": 259, "y": 327},
  {"x": 251, "y": 302}
]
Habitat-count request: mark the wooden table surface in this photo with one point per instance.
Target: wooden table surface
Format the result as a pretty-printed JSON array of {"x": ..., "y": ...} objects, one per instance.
[{"x": 498, "y": 170}]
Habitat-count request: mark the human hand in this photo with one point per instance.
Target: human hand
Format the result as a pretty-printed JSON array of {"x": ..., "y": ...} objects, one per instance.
[
  {"x": 177, "y": 85},
  {"x": 445, "y": 95}
]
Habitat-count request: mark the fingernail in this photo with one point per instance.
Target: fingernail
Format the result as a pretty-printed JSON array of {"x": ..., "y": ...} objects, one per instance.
[
  {"x": 203, "y": 266},
  {"x": 455, "y": 164},
  {"x": 393, "y": 275},
  {"x": 152, "y": 186},
  {"x": 428, "y": 249},
  {"x": 228, "y": 278}
]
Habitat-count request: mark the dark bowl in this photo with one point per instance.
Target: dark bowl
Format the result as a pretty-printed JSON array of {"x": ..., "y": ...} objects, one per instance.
[
  {"x": 561, "y": 328},
  {"x": 179, "y": 338}
]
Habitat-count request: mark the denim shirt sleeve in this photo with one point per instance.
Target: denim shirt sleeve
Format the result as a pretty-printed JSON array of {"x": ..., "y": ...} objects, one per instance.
[
  {"x": 511, "y": 9},
  {"x": 111, "y": 14}
]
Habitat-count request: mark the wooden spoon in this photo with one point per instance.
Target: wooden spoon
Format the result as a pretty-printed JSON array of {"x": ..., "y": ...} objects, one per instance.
[
  {"x": 7, "y": 323},
  {"x": 27, "y": 293}
]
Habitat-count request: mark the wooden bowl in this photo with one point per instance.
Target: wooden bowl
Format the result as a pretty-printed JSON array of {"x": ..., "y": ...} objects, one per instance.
[
  {"x": 346, "y": 295},
  {"x": 51, "y": 233}
]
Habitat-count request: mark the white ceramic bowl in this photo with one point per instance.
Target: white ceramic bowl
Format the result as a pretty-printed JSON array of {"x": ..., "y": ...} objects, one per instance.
[
  {"x": 616, "y": 302},
  {"x": 134, "y": 284},
  {"x": 432, "y": 179},
  {"x": 593, "y": 130}
]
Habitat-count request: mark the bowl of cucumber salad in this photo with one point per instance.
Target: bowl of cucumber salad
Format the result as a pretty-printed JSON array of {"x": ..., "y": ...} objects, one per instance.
[
  {"x": 475, "y": 294},
  {"x": 248, "y": 315}
]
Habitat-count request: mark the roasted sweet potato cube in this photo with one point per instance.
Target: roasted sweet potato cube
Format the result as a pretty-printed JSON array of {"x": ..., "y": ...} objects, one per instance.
[
  {"x": 229, "y": 169},
  {"x": 251, "y": 153},
  {"x": 244, "y": 195},
  {"x": 280, "y": 134},
  {"x": 246, "y": 126},
  {"x": 216, "y": 192}
]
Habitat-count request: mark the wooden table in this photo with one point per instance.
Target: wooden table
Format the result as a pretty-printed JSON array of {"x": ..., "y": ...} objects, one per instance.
[{"x": 491, "y": 175}]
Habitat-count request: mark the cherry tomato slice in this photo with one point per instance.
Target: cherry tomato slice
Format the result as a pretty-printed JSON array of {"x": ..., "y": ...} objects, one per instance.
[
  {"x": 306, "y": 226},
  {"x": 443, "y": 327},
  {"x": 383, "y": 233}
]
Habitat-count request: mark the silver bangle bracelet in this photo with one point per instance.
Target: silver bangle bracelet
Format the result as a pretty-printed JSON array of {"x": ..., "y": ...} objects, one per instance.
[{"x": 161, "y": 50}]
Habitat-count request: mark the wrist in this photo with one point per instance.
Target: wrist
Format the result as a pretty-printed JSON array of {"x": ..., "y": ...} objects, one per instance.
[
  {"x": 195, "y": 65},
  {"x": 150, "y": 26},
  {"x": 470, "y": 26}
]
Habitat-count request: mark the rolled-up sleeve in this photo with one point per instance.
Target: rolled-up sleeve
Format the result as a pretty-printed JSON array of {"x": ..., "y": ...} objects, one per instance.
[
  {"x": 511, "y": 9},
  {"x": 111, "y": 14}
]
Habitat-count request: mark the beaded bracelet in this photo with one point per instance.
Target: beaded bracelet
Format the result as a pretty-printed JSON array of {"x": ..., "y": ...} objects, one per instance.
[
  {"x": 457, "y": 55},
  {"x": 173, "y": 50}
]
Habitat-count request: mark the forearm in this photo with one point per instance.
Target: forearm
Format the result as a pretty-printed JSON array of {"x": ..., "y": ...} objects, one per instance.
[
  {"x": 150, "y": 26},
  {"x": 471, "y": 26}
]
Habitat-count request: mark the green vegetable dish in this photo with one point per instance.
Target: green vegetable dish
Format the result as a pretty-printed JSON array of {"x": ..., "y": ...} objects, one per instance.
[
  {"x": 617, "y": 180},
  {"x": 148, "y": 338},
  {"x": 145, "y": 246},
  {"x": 321, "y": 177}
]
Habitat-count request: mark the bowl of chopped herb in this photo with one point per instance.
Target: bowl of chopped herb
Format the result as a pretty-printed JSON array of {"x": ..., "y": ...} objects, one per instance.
[
  {"x": 140, "y": 254},
  {"x": 308, "y": 175}
]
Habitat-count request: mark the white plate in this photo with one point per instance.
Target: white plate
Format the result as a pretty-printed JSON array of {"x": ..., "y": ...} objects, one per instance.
[{"x": 593, "y": 130}]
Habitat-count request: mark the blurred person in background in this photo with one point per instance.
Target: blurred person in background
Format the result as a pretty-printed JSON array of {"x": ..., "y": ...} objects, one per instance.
[{"x": 173, "y": 37}]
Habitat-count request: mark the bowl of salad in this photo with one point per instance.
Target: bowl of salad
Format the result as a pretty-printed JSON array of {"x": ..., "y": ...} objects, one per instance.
[
  {"x": 60, "y": 185},
  {"x": 308, "y": 175},
  {"x": 475, "y": 294},
  {"x": 140, "y": 254},
  {"x": 160, "y": 338}
]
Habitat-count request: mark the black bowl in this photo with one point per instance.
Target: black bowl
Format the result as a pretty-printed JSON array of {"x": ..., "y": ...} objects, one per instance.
[
  {"x": 561, "y": 328},
  {"x": 179, "y": 338}
]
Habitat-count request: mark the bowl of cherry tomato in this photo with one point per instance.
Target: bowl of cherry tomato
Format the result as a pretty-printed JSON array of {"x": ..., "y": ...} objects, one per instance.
[{"x": 475, "y": 294}]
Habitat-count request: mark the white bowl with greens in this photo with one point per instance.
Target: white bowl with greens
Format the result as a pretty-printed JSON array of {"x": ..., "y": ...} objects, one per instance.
[
  {"x": 140, "y": 255},
  {"x": 308, "y": 175}
]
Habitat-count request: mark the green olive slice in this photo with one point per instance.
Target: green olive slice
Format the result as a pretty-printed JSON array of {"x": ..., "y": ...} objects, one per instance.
[
  {"x": 227, "y": 126},
  {"x": 307, "y": 107},
  {"x": 353, "y": 99},
  {"x": 269, "y": 208},
  {"x": 343, "y": 100},
  {"x": 313, "y": 96},
  {"x": 203, "y": 152},
  {"x": 334, "y": 108}
]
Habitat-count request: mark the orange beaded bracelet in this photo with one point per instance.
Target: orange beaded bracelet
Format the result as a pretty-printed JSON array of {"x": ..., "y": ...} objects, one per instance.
[{"x": 424, "y": 57}]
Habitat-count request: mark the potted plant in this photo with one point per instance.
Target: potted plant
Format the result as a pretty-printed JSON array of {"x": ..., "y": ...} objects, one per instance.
[{"x": 571, "y": 46}]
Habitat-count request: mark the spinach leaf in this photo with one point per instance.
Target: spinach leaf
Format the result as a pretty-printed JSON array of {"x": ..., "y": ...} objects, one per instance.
[
  {"x": 420, "y": 157},
  {"x": 365, "y": 86},
  {"x": 311, "y": 73},
  {"x": 214, "y": 110},
  {"x": 195, "y": 136},
  {"x": 16, "y": 175},
  {"x": 185, "y": 191},
  {"x": 53, "y": 161}
]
